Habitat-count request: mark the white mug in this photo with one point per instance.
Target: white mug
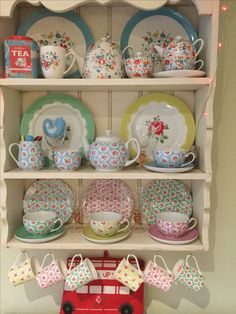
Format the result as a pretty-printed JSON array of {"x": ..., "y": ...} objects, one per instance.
[{"x": 53, "y": 61}]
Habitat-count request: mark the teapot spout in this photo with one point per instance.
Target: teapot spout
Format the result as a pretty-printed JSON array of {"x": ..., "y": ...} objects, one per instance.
[
  {"x": 85, "y": 147},
  {"x": 159, "y": 50},
  {"x": 80, "y": 63}
]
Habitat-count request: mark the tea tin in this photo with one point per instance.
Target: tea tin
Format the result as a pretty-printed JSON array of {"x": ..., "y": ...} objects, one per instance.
[{"x": 21, "y": 57}]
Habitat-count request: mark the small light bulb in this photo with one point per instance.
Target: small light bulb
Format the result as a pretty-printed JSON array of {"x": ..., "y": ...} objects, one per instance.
[
  {"x": 210, "y": 80},
  {"x": 220, "y": 45},
  {"x": 224, "y": 8},
  {"x": 205, "y": 114}
]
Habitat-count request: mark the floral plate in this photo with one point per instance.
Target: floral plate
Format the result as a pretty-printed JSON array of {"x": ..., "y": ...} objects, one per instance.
[
  {"x": 157, "y": 27},
  {"x": 67, "y": 30},
  {"x": 165, "y": 196},
  {"x": 76, "y": 115},
  {"x": 108, "y": 195},
  {"x": 50, "y": 195},
  {"x": 166, "y": 121}
]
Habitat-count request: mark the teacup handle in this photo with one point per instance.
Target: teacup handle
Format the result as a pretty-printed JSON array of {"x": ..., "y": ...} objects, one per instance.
[
  {"x": 163, "y": 261},
  {"x": 126, "y": 48},
  {"x": 126, "y": 227},
  {"x": 61, "y": 223},
  {"x": 71, "y": 52},
  {"x": 81, "y": 260},
  {"x": 136, "y": 260},
  {"x": 193, "y": 158},
  {"x": 195, "y": 260},
  {"x": 45, "y": 257},
  {"x": 201, "y": 64},
  {"x": 194, "y": 224},
  {"x": 10, "y": 152},
  {"x": 129, "y": 162},
  {"x": 18, "y": 256},
  {"x": 201, "y": 46}
]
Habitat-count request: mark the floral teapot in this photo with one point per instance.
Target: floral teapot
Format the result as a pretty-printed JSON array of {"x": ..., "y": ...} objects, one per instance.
[
  {"x": 104, "y": 60},
  {"x": 180, "y": 54},
  {"x": 110, "y": 153}
]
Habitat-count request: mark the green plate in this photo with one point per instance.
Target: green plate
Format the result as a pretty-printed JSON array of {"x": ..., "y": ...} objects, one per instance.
[
  {"x": 158, "y": 121},
  {"x": 76, "y": 115},
  {"x": 23, "y": 235},
  {"x": 88, "y": 234}
]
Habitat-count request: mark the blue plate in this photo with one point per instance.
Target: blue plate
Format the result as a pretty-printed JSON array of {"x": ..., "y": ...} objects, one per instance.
[
  {"x": 147, "y": 28},
  {"x": 65, "y": 29}
]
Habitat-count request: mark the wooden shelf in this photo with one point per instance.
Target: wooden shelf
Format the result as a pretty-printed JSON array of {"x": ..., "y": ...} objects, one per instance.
[
  {"x": 96, "y": 85},
  {"x": 138, "y": 240},
  {"x": 87, "y": 172}
]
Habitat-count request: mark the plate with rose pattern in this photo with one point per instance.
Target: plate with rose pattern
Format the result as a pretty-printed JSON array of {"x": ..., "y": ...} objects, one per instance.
[
  {"x": 108, "y": 195},
  {"x": 158, "y": 121},
  {"x": 165, "y": 196},
  {"x": 156, "y": 27},
  {"x": 50, "y": 195},
  {"x": 67, "y": 30}
]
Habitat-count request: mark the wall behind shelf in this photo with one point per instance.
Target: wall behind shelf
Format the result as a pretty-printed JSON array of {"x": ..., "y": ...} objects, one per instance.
[{"x": 218, "y": 264}]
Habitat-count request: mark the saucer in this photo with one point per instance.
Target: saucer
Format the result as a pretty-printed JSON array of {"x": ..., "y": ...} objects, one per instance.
[
  {"x": 152, "y": 167},
  {"x": 180, "y": 73},
  {"x": 188, "y": 237},
  {"x": 23, "y": 235},
  {"x": 89, "y": 235}
]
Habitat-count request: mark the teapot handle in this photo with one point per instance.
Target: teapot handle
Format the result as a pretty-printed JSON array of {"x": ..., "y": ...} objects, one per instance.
[
  {"x": 201, "y": 46},
  {"x": 128, "y": 47},
  {"x": 129, "y": 162}
]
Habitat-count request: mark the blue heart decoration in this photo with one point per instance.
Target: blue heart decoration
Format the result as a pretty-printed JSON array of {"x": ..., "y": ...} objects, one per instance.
[{"x": 54, "y": 128}]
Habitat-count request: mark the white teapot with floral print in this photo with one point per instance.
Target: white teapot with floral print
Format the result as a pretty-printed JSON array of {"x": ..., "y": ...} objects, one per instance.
[
  {"x": 104, "y": 60},
  {"x": 110, "y": 153}
]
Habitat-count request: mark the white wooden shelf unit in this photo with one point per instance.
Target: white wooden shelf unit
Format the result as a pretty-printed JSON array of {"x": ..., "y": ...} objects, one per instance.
[{"x": 108, "y": 100}]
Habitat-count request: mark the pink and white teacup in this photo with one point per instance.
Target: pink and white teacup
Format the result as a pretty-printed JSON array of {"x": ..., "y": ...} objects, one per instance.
[
  {"x": 157, "y": 276},
  {"x": 175, "y": 224},
  {"x": 52, "y": 273}
]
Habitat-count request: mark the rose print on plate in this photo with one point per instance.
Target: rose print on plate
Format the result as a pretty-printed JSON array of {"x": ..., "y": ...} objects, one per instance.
[
  {"x": 56, "y": 39},
  {"x": 156, "y": 129}
]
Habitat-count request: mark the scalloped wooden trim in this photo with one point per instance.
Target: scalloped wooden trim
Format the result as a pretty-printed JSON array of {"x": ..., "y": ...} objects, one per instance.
[{"x": 7, "y": 6}]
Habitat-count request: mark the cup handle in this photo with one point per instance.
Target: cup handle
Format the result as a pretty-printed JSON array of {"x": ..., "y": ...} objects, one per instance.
[
  {"x": 194, "y": 224},
  {"x": 163, "y": 261},
  {"x": 201, "y": 46},
  {"x": 128, "y": 47},
  {"x": 81, "y": 260},
  {"x": 61, "y": 223},
  {"x": 195, "y": 260},
  {"x": 126, "y": 227},
  {"x": 45, "y": 257},
  {"x": 202, "y": 64},
  {"x": 136, "y": 260},
  {"x": 18, "y": 256},
  {"x": 10, "y": 152},
  {"x": 71, "y": 52},
  {"x": 193, "y": 158},
  {"x": 129, "y": 162}
]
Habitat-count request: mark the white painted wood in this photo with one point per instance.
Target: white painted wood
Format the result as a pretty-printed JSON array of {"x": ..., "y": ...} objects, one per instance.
[
  {"x": 87, "y": 172},
  {"x": 91, "y": 85},
  {"x": 138, "y": 240}
]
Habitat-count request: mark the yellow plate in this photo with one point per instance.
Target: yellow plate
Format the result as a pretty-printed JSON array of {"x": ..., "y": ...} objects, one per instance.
[
  {"x": 158, "y": 121},
  {"x": 88, "y": 234}
]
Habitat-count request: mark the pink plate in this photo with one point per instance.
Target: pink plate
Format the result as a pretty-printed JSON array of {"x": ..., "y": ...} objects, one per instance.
[
  {"x": 108, "y": 195},
  {"x": 188, "y": 237}
]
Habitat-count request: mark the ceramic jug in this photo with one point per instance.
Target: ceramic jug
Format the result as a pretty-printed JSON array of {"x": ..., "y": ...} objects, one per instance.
[
  {"x": 104, "y": 60},
  {"x": 110, "y": 153},
  {"x": 180, "y": 54}
]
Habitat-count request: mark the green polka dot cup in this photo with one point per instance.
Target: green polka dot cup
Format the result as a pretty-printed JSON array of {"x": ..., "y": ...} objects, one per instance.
[
  {"x": 187, "y": 275},
  {"x": 41, "y": 222}
]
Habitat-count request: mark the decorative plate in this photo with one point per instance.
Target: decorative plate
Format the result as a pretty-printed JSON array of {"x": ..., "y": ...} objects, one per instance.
[
  {"x": 89, "y": 235},
  {"x": 23, "y": 235},
  {"x": 59, "y": 29},
  {"x": 76, "y": 115},
  {"x": 158, "y": 121},
  {"x": 157, "y": 27},
  {"x": 180, "y": 73},
  {"x": 165, "y": 196},
  {"x": 188, "y": 237},
  {"x": 152, "y": 167},
  {"x": 108, "y": 195},
  {"x": 50, "y": 195}
]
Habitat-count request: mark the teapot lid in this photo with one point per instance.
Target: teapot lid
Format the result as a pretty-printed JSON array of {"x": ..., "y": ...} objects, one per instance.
[{"x": 108, "y": 138}]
